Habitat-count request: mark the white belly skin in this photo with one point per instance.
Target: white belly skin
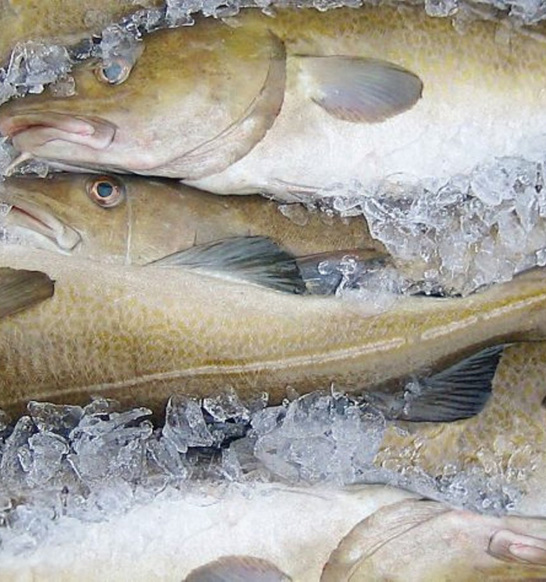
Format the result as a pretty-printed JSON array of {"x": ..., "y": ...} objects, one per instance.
[
  {"x": 449, "y": 131},
  {"x": 481, "y": 99}
]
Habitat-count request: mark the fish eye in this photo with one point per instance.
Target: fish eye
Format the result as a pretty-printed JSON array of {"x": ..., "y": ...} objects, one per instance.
[
  {"x": 106, "y": 191},
  {"x": 114, "y": 73}
]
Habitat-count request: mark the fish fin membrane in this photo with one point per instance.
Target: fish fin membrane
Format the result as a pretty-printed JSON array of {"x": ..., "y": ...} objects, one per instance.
[
  {"x": 361, "y": 89},
  {"x": 238, "y": 569},
  {"x": 21, "y": 289},
  {"x": 254, "y": 259},
  {"x": 461, "y": 391}
]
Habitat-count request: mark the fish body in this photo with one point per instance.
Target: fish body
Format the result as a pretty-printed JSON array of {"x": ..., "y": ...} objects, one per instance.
[
  {"x": 142, "y": 220},
  {"x": 138, "y": 334},
  {"x": 59, "y": 21},
  {"x": 300, "y": 102}
]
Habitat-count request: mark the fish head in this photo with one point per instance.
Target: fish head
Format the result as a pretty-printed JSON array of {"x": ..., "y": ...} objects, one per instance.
[
  {"x": 426, "y": 540},
  {"x": 187, "y": 87},
  {"x": 106, "y": 218}
]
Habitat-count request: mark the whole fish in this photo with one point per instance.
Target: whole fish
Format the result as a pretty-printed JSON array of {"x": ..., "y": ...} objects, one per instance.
[
  {"x": 59, "y": 21},
  {"x": 128, "y": 220},
  {"x": 272, "y": 532},
  {"x": 297, "y": 103},
  {"x": 210, "y": 320}
]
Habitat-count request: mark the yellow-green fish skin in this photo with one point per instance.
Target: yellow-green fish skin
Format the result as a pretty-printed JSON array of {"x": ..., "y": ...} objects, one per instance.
[
  {"x": 138, "y": 334},
  {"x": 155, "y": 218},
  {"x": 194, "y": 89}
]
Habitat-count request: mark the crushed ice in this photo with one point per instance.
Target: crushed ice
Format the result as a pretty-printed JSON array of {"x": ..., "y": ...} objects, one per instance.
[
  {"x": 96, "y": 461},
  {"x": 457, "y": 236}
]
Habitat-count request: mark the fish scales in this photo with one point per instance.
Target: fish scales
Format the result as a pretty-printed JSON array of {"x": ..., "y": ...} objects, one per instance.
[
  {"x": 134, "y": 334},
  {"x": 452, "y": 101}
]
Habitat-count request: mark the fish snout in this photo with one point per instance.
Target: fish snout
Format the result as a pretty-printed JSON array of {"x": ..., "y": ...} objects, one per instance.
[
  {"x": 510, "y": 546},
  {"x": 32, "y": 132},
  {"x": 24, "y": 220}
]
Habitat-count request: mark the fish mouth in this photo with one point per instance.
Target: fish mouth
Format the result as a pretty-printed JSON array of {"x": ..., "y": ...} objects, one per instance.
[
  {"x": 23, "y": 220},
  {"x": 30, "y": 132}
]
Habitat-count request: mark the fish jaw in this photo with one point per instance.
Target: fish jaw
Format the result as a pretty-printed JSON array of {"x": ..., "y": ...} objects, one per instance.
[
  {"x": 28, "y": 220},
  {"x": 53, "y": 135}
]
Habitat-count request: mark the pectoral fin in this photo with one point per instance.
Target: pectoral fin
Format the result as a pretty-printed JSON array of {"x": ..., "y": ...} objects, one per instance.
[
  {"x": 459, "y": 392},
  {"x": 20, "y": 289},
  {"x": 238, "y": 569},
  {"x": 255, "y": 259},
  {"x": 361, "y": 89}
]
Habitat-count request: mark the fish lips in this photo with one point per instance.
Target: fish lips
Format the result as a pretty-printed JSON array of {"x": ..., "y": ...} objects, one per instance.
[
  {"x": 32, "y": 131},
  {"x": 21, "y": 218}
]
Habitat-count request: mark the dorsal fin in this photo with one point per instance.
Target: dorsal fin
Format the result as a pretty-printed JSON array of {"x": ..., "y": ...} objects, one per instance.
[{"x": 255, "y": 259}]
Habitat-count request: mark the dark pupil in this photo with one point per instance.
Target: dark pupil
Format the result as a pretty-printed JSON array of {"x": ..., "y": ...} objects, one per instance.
[
  {"x": 104, "y": 189},
  {"x": 112, "y": 72}
]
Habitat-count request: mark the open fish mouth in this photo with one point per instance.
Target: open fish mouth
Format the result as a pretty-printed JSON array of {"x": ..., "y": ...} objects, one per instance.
[
  {"x": 25, "y": 220},
  {"x": 33, "y": 130}
]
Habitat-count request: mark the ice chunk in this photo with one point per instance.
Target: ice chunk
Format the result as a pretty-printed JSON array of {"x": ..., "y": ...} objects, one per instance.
[
  {"x": 7, "y": 153},
  {"x": 11, "y": 470},
  {"x": 226, "y": 406},
  {"x": 167, "y": 458},
  {"x": 63, "y": 87},
  {"x": 185, "y": 425},
  {"x": 110, "y": 447},
  {"x": 33, "y": 65},
  {"x": 441, "y": 7},
  {"x": 55, "y": 418},
  {"x": 41, "y": 459},
  {"x": 318, "y": 438}
]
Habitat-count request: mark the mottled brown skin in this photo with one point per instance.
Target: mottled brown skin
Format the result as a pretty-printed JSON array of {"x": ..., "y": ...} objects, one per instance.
[
  {"x": 59, "y": 21},
  {"x": 191, "y": 84},
  {"x": 155, "y": 218},
  {"x": 139, "y": 334}
]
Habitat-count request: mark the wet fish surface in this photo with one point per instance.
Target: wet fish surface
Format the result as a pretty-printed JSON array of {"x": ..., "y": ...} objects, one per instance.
[
  {"x": 354, "y": 94},
  {"x": 132, "y": 220},
  {"x": 139, "y": 334}
]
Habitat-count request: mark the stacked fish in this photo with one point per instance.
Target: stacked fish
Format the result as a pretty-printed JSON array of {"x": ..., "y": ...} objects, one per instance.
[{"x": 136, "y": 289}]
